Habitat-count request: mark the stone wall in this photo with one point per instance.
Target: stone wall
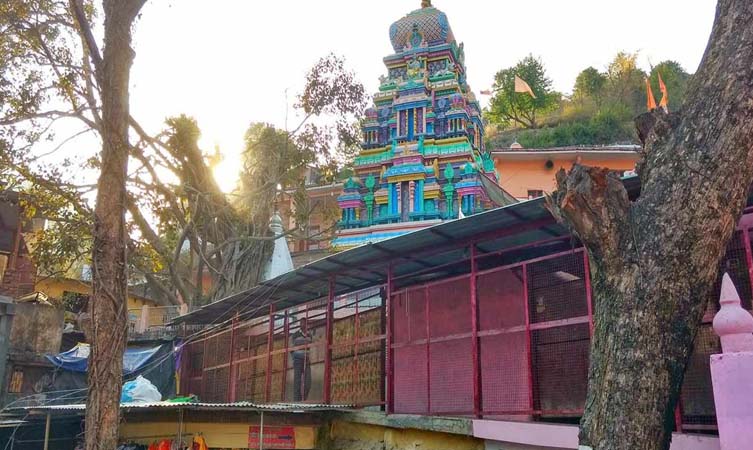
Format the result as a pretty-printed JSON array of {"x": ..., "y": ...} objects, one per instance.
[
  {"x": 37, "y": 329},
  {"x": 18, "y": 279},
  {"x": 357, "y": 436}
]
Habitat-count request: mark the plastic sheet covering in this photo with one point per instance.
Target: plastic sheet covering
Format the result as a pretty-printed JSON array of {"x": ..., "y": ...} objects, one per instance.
[
  {"x": 156, "y": 363},
  {"x": 76, "y": 359}
]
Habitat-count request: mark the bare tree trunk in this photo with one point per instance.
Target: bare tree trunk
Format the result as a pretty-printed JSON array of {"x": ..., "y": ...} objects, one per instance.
[
  {"x": 654, "y": 260},
  {"x": 108, "y": 304}
]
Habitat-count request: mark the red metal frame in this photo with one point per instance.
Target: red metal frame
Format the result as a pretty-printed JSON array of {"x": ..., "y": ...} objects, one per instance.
[
  {"x": 428, "y": 348},
  {"x": 529, "y": 350},
  {"x": 270, "y": 340},
  {"x": 748, "y": 253},
  {"x": 589, "y": 305},
  {"x": 460, "y": 243},
  {"x": 476, "y": 358},
  {"x": 390, "y": 404},
  {"x": 231, "y": 373},
  {"x": 536, "y": 397},
  {"x": 204, "y": 366},
  {"x": 328, "y": 345},
  {"x": 284, "y": 377},
  {"x": 357, "y": 375}
]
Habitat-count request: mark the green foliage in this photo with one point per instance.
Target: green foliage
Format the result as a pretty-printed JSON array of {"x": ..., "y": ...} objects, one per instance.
[
  {"x": 676, "y": 80},
  {"x": 626, "y": 82},
  {"x": 276, "y": 159},
  {"x": 510, "y": 108},
  {"x": 74, "y": 302},
  {"x": 590, "y": 85},
  {"x": 271, "y": 158},
  {"x": 604, "y": 127},
  {"x": 601, "y": 110}
]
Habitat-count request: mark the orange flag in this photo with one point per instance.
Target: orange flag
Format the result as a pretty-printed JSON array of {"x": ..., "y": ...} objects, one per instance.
[
  {"x": 651, "y": 104},
  {"x": 522, "y": 86},
  {"x": 664, "y": 103}
]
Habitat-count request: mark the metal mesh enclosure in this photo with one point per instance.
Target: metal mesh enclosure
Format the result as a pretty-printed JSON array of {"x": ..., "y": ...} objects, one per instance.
[
  {"x": 533, "y": 334},
  {"x": 533, "y": 321},
  {"x": 560, "y": 337},
  {"x": 450, "y": 359},
  {"x": 515, "y": 347},
  {"x": 411, "y": 351},
  {"x": 506, "y": 379},
  {"x": 697, "y": 395},
  {"x": 236, "y": 364}
]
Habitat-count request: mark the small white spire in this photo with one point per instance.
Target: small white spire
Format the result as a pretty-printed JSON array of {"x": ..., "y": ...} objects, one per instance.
[
  {"x": 733, "y": 323},
  {"x": 275, "y": 224},
  {"x": 281, "y": 262}
]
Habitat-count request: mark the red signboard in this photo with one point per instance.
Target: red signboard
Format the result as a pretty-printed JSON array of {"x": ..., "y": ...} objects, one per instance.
[{"x": 273, "y": 437}]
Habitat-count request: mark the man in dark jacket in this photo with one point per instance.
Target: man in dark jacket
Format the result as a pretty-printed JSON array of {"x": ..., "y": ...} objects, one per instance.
[{"x": 301, "y": 362}]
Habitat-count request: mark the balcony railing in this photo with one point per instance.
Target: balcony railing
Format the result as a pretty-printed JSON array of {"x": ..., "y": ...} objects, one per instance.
[{"x": 152, "y": 321}]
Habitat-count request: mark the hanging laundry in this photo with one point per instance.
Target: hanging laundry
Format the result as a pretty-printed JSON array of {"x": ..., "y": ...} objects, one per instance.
[{"x": 199, "y": 443}]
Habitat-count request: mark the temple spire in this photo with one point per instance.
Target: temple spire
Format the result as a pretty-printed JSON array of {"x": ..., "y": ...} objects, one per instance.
[
  {"x": 280, "y": 262},
  {"x": 426, "y": 3}
]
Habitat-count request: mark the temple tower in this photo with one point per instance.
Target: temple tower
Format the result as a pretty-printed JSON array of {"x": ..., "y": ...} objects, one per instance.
[{"x": 422, "y": 156}]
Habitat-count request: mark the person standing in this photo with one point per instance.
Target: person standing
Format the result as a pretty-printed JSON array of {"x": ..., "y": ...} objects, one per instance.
[{"x": 301, "y": 362}]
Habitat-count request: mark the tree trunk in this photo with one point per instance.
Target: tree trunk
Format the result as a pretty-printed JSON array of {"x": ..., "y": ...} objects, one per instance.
[
  {"x": 654, "y": 260},
  {"x": 108, "y": 303}
]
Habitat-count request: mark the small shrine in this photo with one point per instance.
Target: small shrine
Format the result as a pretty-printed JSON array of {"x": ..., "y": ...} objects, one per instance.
[{"x": 422, "y": 157}]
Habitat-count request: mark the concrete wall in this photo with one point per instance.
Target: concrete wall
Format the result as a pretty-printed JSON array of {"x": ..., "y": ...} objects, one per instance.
[
  {"x": 547, "y": 436},
  {"x": 37, "y": 328},
  {"x": 18, "y": 279},
  {"x": 519, "y": 176},
  {"x": 358, "y": 436},
  {"x": 55, "y": 287}
]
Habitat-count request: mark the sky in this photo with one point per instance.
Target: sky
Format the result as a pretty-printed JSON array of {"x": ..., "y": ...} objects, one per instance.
[{"x": 229, "y": 63}]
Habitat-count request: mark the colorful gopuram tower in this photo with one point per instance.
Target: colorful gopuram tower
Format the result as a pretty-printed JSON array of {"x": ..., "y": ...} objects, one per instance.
[{"x": 422, "y": 158}]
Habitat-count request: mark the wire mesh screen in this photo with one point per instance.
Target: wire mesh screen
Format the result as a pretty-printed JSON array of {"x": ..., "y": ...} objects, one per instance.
[
  {"x": 217, "y": 368},
  {"x": 190, "y": 381},
  {"x": 312, "y": 391},
  {"x": 411, "y": 381},
  {"x": 450, "y": 357},
  {"x": 560, "y": 369},
  {"x": 506, "y": 384},
  {"x": 560, "y": 337},
  {"x": 357, "y": 353},
  {"x": 250, "y": 361},
  {"x": 343, "y": 358},
  {"x": 279, "y": 357},
  {"x": 450, "y": 308},
  {"x": 557, "y": 289},
  {"x": 735, "y": 263},
  {"x": 533, "y": 347},
  {"x": 697, "y": 395}
]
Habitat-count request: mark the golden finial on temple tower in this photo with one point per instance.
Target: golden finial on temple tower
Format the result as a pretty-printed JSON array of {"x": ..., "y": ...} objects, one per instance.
[{"x": 426, "y": 3}]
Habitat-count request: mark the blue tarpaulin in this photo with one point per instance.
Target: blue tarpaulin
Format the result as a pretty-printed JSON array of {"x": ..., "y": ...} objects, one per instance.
[{"x": 77, "y": 358}]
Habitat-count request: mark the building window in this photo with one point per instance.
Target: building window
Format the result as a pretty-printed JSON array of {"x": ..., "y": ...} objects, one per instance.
[
  {"x": 16, "y": 381},
  {"x": 535, "y": 193},
  {"x": 315, "y": 242},
  {"x": 3, "y": 266}
]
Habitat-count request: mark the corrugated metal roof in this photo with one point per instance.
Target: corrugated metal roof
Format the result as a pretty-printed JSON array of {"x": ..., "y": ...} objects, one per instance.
[
  {"x": 366, "y": 266},
  {"x": 279, "y": 407}
]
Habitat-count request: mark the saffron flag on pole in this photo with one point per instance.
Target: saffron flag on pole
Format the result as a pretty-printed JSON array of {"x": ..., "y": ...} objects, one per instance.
[
  {"x": 651, "y": 103},
  {"x": 522, "y": 86},
  {"x": 664, "y": 103}
]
